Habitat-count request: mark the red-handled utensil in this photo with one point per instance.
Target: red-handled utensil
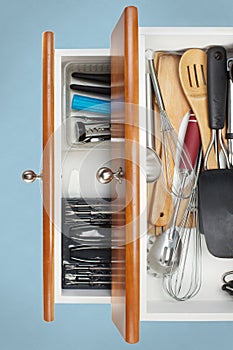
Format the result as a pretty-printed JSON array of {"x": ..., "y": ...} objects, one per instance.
[{"x": 192, "y": 143}]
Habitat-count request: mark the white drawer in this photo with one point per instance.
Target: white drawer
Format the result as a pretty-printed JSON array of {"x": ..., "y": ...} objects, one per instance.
[
  {"x": 211, "y": 303},
  {"x": 76, "y": 164}
]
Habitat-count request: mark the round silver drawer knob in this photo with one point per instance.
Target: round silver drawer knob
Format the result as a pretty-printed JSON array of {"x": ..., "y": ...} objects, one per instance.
[
  {"x": 105, "y": 175},
  {"x": 30, "y": 176}
]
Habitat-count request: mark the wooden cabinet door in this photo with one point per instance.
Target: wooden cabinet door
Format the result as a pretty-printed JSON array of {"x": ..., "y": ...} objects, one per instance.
[
  {"x": 125, "y": 132},
  {"x": 48, "y": 174}
]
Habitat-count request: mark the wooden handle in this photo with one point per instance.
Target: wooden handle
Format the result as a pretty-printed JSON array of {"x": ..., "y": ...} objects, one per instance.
[{"x": 48, "y": 175}]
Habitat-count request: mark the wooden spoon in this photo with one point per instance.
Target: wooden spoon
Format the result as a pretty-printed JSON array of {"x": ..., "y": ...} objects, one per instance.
[{"x": 193, "y": 77}]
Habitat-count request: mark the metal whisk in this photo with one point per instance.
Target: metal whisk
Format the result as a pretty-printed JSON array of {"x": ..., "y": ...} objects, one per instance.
[
  {"x": 173, "y": 152},
  {"x": 184, "y": 282}
]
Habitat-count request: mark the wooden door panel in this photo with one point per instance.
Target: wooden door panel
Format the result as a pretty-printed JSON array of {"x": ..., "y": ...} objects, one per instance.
[
  {"x": 125, "y": 128},
  {"x": 48, "y": 174}
]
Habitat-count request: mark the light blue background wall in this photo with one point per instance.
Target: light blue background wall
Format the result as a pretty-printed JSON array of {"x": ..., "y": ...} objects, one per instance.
[{"x": 77, "y": 24}]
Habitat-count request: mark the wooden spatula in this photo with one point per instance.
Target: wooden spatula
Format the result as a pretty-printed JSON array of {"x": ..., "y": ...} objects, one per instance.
[
  {"x": 176, "y": 106},
  {"x": 193, "y": 77}
]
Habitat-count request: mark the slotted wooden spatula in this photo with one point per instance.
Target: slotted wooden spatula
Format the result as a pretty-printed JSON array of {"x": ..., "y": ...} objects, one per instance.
[{"x": 193, "y": 77}]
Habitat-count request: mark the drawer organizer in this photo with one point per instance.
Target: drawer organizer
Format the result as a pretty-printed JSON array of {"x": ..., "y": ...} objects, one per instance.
[
  {"x": 94, "y": 156},
  {"x": 86, "y": 244},
  {"x": 86, "y": 222}
]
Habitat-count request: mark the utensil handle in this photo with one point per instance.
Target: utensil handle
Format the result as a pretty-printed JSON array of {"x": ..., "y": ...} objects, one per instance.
[
  {"x": 101, "y": 78},
  {"x": 154, "y": 79},
  {"x": 150, "y": 114},
  {"x": 229, "y": 132},
  {"x": 91, "y": 104},
  {"x": 192, "y": 144},
  {"x": 217, "y": 86},
  {"x": 101, "y": 90}
]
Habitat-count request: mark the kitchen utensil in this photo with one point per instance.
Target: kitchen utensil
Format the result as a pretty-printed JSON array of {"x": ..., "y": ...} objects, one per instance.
[
  {"x": 88, "y": 211},
  {"x": 86, "y": 206},
  {"x": 164, "y": 254},
  {"x": 81, "y": 129},
  {"x": 185, "y": 282},
  {"x": 153, "y": 163},
  {"x": 227, "y": 284},
  {"x": 102, "y": 78},
  {"x": 193, "y": 77},
  {"x": 91, "y": 104},
  {"x": 91, "y": 267},
  {"x": 94, "y": 254},
  {"x": 80, "y": 206},
  {"x": 90, "y": 241},
  {"x": 174, "y": 99},
  {"x": 77, "y": 276},
  {"x": 172, "y": 151},
  {"x": 107, "y": 222},
  {"x": 229, "y": 133},
  {"x": 152, "y": 141},
  {"x": 87, "y": 132},
  {"x": 87, "y": 277},
  {"x": 215, "y": 185},
  {"x": 176, "y": 106},
  {"x": 89, "y": 214},
  {"x": 91, "y": 283},
  {"x": 217, "y": 97},
  {"x": 98, "y": 90},
  {"x": 215, "y": 211}
]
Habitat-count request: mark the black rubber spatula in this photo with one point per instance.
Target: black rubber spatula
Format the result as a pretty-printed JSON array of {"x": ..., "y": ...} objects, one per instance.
[{"x": 216, "y": 185}]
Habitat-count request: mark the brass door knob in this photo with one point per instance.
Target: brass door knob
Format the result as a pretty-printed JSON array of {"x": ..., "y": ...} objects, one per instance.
[
  {"x": 30, "y": 176},
  {"x": 105, "y": 175}
]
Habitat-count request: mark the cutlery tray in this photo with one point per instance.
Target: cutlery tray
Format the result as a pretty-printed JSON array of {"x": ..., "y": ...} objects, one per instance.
[
  {"x": 86, "y": 244},
  {"x": 89, "y": 114}
]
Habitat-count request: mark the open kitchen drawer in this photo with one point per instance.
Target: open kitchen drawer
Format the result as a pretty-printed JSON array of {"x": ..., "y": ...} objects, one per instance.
[
  {"x": 78, "y": 210},
  {"x": 69, "y": 174},
  {"x": 211, "y": 303}
]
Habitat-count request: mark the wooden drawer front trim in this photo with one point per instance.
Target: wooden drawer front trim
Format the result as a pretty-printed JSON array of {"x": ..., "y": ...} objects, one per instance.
[
  {"x": 125, "y": 124},
  {"x": 48, "y": 175}
]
